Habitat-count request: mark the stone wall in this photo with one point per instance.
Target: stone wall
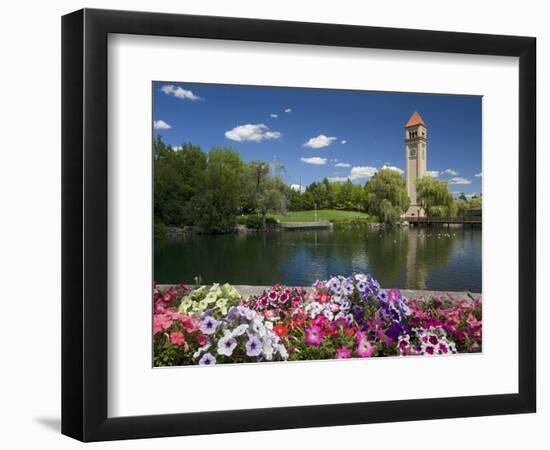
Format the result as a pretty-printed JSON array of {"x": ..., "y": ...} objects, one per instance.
[{"x": 446, "y": 296}]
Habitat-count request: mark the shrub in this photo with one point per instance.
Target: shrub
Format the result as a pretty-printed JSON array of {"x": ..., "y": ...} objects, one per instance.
[
  {"x": 254, "y": 221},
  {"x": 160, "y": 231}
]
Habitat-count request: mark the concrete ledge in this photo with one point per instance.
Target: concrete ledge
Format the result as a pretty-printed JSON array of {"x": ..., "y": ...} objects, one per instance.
[
  {"x": 305, "y": 225},
  {"x": 446, "y": 296}
]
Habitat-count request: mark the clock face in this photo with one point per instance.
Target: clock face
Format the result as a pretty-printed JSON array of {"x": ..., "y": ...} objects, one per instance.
[{"x": 412, "y": 152}]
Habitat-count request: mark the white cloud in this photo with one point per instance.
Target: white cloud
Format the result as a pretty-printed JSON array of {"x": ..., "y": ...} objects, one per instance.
[
  {"x": 274, "y": 115},
  {"x": 432, "y": 173},
  {"x": 298, "y": 187},
  {"x": 288, "y": 110},
  {"x": 179, "y": 92},
  {"x": 251, "y": 132},
  {"x": 360, "y": 172},
  {"x": 478, "y": 174},
  {"x": 342, "y": 165},
  {"x": 450, "y": 172},
  {"x": 316, "y": 160},
  {"x": 343, "y": 141},
  {"x": 397, "y": 169},
  {"x": 161, "y": 125},
  {"x": 459, "y": 180},
  {"x": 320, "y": 141},
  {"x": 356, "y": 173}
]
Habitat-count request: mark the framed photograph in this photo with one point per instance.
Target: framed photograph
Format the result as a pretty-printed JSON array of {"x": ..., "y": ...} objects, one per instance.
[{"x": 273, "y": 225}]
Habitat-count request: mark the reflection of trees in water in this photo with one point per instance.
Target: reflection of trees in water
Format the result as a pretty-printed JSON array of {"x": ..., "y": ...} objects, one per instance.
[
  {"x": 387, "y": 252},
  {"x": 406, "y": 257},
  {"x": 235, "y": 258},
  {"x": 396, "y": 257},
  {"x": 429, "y": 249},
  {"x": 318, "y": 254}
]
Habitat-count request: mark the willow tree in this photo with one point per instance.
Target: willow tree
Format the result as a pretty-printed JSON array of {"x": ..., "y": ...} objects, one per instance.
[
  {"x": 386, "y": 195},
  {"x": 434, "y": 196},
  {"x": 267, "y": 194}
]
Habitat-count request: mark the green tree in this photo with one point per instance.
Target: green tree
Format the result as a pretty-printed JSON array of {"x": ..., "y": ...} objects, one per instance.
[
  {"x": 221, "y": 193},
  {"x": 385, "y": 195},
  {"x": 434, "y": 196},
  {"x": 476, "y": 202},
  {"x": 461, "y": 206},
  {"x": 177, "y": 178},
  {"x": 345, "y": 199},
  {"x": 266, "y": 193},
  {"x": 357, "y": 199}
]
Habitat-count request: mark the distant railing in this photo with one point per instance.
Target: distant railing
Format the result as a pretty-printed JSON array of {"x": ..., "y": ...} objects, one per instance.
[{"x": 444, "y": 220}]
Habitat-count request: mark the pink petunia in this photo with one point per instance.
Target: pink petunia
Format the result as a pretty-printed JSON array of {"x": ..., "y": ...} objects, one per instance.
[
  {"x": 394, "y": 295},
  {"x": 364, "y": 348},
  {"x": 202, "y": 339},
  {"x": 343, "y": 353},
  {"x": 157, "y": 326},
  {"x": 177, "y": 338},
  {"x": 314, "y": 335}
]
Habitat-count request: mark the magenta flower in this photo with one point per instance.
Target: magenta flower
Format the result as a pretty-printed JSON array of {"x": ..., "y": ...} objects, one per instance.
[
  {"x": 364, "y": 348},
  {"x": 343, "y": 353},
  {"x": 314, "y": 335}
]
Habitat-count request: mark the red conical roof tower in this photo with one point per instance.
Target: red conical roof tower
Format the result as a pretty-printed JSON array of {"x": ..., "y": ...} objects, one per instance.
[{"x": 415, "y": 120}]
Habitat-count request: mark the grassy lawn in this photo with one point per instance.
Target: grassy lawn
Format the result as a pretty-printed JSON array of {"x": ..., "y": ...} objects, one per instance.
[{"x": 333, "y": 215}]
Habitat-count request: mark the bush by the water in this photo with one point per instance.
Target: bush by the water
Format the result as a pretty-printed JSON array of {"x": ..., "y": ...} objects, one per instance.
[
  {"x": 355, "y": 223},
  {"x": 160, "y": 231},
  {"x": 254, "y": 221}
]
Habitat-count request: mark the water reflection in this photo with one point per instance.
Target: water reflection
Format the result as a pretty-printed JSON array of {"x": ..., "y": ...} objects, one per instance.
[{"x": 416, "y": 258}]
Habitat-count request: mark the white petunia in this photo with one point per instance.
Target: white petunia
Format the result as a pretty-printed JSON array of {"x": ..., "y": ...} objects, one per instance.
[
  {"x": 201, "y": 350},
  {"x": 211, "y": 297},
  {"x": 240, "y": 330},
  {"x": 226, "y": 345},
  {"x": 328, "y": 314}
]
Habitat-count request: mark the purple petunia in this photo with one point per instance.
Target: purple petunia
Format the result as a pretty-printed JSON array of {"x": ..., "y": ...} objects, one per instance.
[
  {"x": 383, "y": 296},
  {"x": 347, "y": 287},
  {"x": 393, "y": 331},
  {"x": 253, "y": 346},
  {"x": 334, "y": 284},
  {"x": 226, "y": 345},
  {"x": 362, "y": 286},
  {"x": 208, "y": 325},
  {"x": 207, "y": 360}
]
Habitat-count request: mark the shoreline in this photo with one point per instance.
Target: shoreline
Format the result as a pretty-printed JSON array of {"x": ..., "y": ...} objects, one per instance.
[{"x": 177, "y": 233}]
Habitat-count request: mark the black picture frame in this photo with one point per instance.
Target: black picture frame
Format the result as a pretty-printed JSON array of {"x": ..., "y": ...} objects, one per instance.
[{"x": 84, "y": 224}]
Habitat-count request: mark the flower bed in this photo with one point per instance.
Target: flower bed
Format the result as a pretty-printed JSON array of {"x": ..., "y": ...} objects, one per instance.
[{"x": 339, "y": 318}]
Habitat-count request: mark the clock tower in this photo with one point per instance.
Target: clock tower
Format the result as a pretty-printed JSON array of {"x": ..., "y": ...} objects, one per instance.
[{"x": 415, "y": 157}]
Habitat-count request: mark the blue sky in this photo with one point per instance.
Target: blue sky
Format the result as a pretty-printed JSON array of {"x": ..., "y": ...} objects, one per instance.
[{"x": 319, "y": 133}]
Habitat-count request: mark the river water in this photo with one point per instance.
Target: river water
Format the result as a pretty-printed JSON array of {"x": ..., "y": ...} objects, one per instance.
[{"x": 408, "y": 258}]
